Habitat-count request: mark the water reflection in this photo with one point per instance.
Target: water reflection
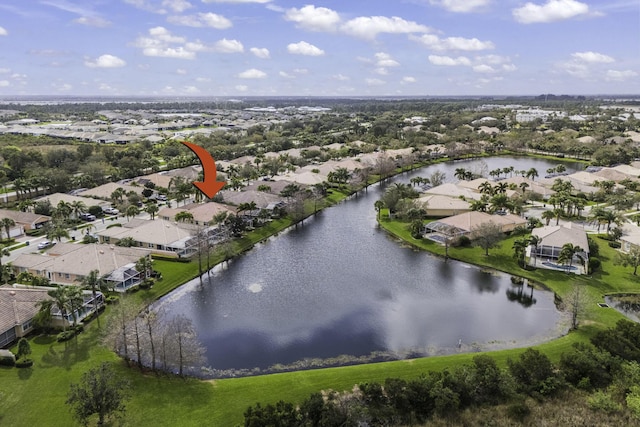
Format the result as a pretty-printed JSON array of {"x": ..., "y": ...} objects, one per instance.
[{"x": 339, "y": 285}]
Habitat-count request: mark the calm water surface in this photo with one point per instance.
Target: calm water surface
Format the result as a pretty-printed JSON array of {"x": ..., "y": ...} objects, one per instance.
[{"x": 338, "y": 285}]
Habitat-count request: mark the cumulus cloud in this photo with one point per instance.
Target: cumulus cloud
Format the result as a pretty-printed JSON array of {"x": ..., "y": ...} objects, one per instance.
[
  {"x": 260, "y": 52},
  {"x": 4, "y": 83},
  {"x": 616, "y": 75},
  {"x": 314, "y": 18},
  {"x": 105, "y": 61},
  {"x": 229, "y": 46},
  {"x": 181, "y": 71},
  {"x": 592, "y": 57},
  {"x": 252, "y": 73},
  {"x": 408, "y": 79},
  {"x": 434, "y": 42},
  {"x": 374, "y": 82},
  {"x": 461, "y": 5},
  {"x": 368, "y": 27},
  {"x": 3, "y": 32},
  {"x": 209, "y": 19},
  {"x": 385, "y": 60},
  {"x": 552, "y": 10},
  {"x": 160, "y": 42},
  {"x": 242, "y": 88},
  {"x": 449, "y": 61},
  {"x": 340, "y": 77},
  {"x": 304, "y": 48}
]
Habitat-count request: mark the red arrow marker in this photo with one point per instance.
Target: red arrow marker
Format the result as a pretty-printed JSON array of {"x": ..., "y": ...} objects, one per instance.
[{"x": 209, "y": 186}]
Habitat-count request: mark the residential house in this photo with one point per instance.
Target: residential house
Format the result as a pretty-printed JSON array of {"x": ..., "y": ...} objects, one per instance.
[
  {"x": 159, "y": 236},
  {"x": 19, "y": 304},
  {"x": 553, "y": 238},
  {"x": 466, "y": 223},
  {"x": 438, "y": 205},
  {"x": 25, "y": 221},
  {"x": 202, "y": 213},
  {"x": 68, "y": 264}
]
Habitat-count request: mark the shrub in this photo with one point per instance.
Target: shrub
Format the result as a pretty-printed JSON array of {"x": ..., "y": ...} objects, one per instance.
[
  {"x": 24, "y": 363},
  {"x": 115, "y": 224},
  {"x": 462, "y": 242},
  {"x": 594, "y": 264},
  {"x": 112, "y": 299},
  {"x": 633, "y": 401},
  {"x": 601, "y": 401},
  {"x": 7, "y": 358},
  {"x": 95, "y": 210},
  {"x": 615, "y": 245},
  {"x": 66, "y": 335},
  {"x": 518, "y": 411}
]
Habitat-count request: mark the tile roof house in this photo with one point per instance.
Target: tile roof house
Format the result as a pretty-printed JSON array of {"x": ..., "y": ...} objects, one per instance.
[
  {"x": 24, "y": 221},
  {"x": 438, "y": 205},
  {"x": 68, "y": 264},
  {"x": 202, "y": 213},
  {"x": 553, "y": 238},
  {"x": 20, "y": 303},
  {"x": 465, "y": 223},
  {"x": 159, "y": 236}
]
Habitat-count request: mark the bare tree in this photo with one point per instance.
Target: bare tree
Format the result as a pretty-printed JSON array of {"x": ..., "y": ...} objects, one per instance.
[
  {"x": 182, "y": 347},
  {"x": 487, "y": 236},
  {"x": 575, "y": 303}
]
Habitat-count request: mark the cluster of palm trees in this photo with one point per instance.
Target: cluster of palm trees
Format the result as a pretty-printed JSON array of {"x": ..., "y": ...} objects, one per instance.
[
  {"x": 494, "y": 199},
  {"x": 568, "y": 253},
  {"x": 68, "y": 300},
  {"x": 531, "y": 173}
]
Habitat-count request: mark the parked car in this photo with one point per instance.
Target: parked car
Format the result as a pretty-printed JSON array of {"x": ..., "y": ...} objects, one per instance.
[
  {"x": 161, "y": 197},
  {"x": 87, "y": 216},
  {"x": 46, "y": 244},
  {"x": 110, "y": 211}
]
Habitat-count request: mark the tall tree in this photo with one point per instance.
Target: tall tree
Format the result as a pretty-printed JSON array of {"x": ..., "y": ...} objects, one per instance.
[
  {"x": 7, "y": 224},
  {"x": 487, "y": 236},
  {"x": 94, "y": 282}
]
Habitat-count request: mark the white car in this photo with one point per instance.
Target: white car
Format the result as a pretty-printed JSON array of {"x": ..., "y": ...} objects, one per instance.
[
  {"x": 46, "y": 244},
  {"x": 111, "y": 211}
]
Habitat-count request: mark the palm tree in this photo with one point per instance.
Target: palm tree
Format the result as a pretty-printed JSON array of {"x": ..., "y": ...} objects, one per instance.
[
  {"x": 486, "y": 188},
  {"x": 94, "y": 282},
  {"x": 131, "y": 211},
  {"x": 75, "y": 301},
  {"x": 7, "y": 224},
  {"x": 535, "y": 242},
  {"x": 378, "y": 205},
  {"x": 519, "y": 250},
  {"x": 63, "y": 210},
  {"x": 77, "y": 207},
  {"x": 57, "y": 232},
  {"x": 567, "y": 254},
  {"x": 532, "y": 174},
  {"x": 152, "y": 209},
  {"x": 184, "y": 216},
  {"x": 548, "y": 216}
]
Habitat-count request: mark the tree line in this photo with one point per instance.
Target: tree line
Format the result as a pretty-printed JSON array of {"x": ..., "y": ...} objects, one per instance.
[{"x": 608, "y": 369}]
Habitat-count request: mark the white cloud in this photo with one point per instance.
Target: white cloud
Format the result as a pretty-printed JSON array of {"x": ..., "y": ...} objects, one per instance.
[
  {"x": 408, "y": 79},
  {"x": 340, "y": 77},
  {"x": 169, "y": 52},
  {"x": 3, "y": 32},
  {"x": 461, "y": 5},
  {"x": 620, "y": 75},
  {"x": 260, "y": 52},
  {"x": 314, "y": 18},
  {"x": 5, "y": 70},
  {"x": 203, "y": 79},
  {"x": 449, "y": 61},
  {"x": 4, "y": 83},
  {"x": 105, "y": 61},
  {"x": 181, "y": 71},
  {"x": 92, "y": 21},
  {"x": 374, "y": 82},
  {"x": 62, "y": 87},
  {"x": 434, "y": 42},
  {"x": 484, "y": 68},
  {"x": 229, "y": 46},
  {"x": 211, "y": 20},
  {"x": 304, "y": 48},
  {"x": 162, "y": 34},
  {"x": 382, "y": 71},
  {"x": 385, "y": 60},
  {"x": 242, "y": 88},
  {"x": 286, "y": 75},
  {"x": 592, "y": 57},
  {"x": 191, "y": 90},
  {"x": 368, "y": 27},
  {"x": 177, "y": 5},
  {"x": 552, "y": 10},
  {"x": 252, "y": 74}
]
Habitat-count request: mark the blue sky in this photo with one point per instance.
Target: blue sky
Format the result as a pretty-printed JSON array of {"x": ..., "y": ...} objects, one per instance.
[{"x": 324, "y": 48}]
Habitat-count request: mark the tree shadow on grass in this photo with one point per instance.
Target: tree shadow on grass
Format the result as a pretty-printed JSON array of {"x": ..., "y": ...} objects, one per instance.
[
  {"x": 25, "y": 373},
  {"x": 66, "y": 354}
]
